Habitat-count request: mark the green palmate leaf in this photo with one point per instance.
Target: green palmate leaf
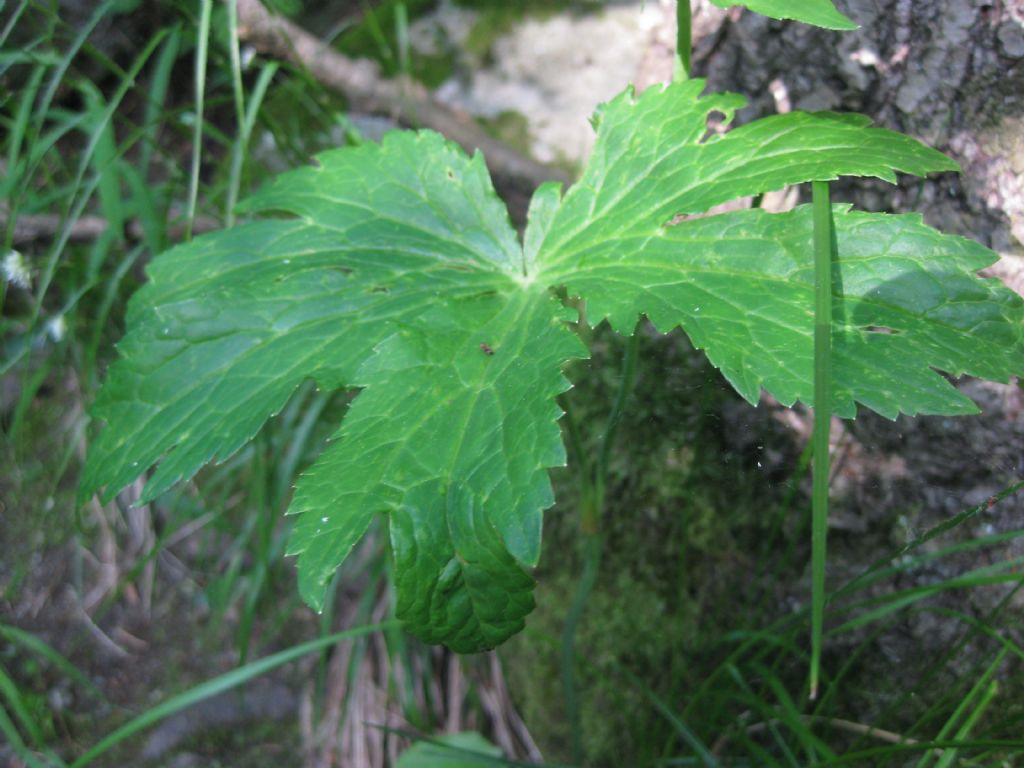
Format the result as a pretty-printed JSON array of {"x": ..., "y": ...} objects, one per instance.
[
  {"x": 395, "y": 270},
  {"x": 742, "y": 286},
  {"x": 820, "y": 13},
  {"x": 452, "y": 435},
  {"x": 650, "y": 164},
  {"x": 230, "y": 325}
]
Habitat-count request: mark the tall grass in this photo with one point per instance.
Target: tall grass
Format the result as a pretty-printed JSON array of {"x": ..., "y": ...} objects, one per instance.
[{"x": 114, "y": 154}]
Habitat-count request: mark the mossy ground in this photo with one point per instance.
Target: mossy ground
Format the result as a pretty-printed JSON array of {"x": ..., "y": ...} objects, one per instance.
[{"x": 686, "y": 520}]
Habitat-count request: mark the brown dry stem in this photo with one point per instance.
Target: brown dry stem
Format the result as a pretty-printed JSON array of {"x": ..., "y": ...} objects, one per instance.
[{"x": 402, "y": 99}]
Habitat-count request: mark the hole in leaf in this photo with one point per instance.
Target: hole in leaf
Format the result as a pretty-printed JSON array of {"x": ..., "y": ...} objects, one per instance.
[
  {"x": 715, "y": 125},
  {"x": 380, "y": 289},
  {"x": 451, "y": 174},
  {"x": 881, "y": 329}
]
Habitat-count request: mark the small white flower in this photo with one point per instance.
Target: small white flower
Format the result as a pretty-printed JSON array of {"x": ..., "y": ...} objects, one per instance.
[
  {"x": 16, "y": 270},
  {"x": 56, "y": 327},
  {"x": 248, "y": 53}
]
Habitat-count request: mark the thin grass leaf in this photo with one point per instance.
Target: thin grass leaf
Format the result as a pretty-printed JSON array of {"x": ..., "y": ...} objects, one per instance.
[
  {"x": 19, "y": 708},
  {"x": 793, "y": 717},
  {"x": 241, "y": 144},
  {"x": 13, "y": 738},
  {"x": 156, "y": 94},
  {"x": 875, "y": 755},
  {"x": 103, "y": 160},
  {"x": 881, "y": 568},
  {"x": 84, "y": 191},
  {"x": 824, "y": 257},
  {"x": 904, "y": 598},
  {"x": 57, "y": 78},
  {"x": 202, "y": 46},
  {"x": 12, "y": 21},
  {"x": 16, "y": 133},
  {"x": 974, "y": 704},
  {"x": 768, "y": 714},
  {"x": 906, "y": 564}
]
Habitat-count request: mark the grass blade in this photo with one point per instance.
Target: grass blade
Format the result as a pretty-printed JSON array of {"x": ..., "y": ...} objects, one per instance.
[
  {"x": 202, "y": 47},
  {"x": 823, "y": 252}
]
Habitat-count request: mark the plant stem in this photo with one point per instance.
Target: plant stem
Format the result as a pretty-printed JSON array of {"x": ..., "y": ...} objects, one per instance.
[
  {"x": 577, "y": 454},
  {"x": 202, "y": 45},
  {"x": 629, "y": 360},
  {"x": 239, "y": 98},
  {"x": 591, "y": 510},
  {"x": 591, "y": 567},
  {"x": 823, "y": 252},
  {"x": 684, "y": 41}
]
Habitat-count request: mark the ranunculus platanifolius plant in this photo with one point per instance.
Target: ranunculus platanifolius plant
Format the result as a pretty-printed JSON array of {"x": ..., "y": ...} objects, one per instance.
[{"x": 395, "y": 270}]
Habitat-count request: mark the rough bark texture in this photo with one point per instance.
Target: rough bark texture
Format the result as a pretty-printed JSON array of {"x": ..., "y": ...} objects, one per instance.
[{"x": 950, "y": 72}]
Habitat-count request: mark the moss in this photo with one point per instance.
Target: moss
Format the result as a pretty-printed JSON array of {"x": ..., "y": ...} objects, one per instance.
[
  {"x": 510, "y": 127},
  {"x": 37, "y": 498},
  {"x": 684, "y": 513}
]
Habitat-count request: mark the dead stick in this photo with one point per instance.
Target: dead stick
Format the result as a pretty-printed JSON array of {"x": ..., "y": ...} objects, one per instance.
[
  {"x": 402, "y": 99},
  {"x": 30, "y": 227}
]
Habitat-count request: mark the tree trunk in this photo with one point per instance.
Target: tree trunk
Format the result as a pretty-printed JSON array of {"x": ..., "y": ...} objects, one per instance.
[{"x": 949, "y": 72}]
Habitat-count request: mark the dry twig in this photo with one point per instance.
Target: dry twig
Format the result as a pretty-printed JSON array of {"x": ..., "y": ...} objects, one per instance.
[{"x": 402, "y": 99}]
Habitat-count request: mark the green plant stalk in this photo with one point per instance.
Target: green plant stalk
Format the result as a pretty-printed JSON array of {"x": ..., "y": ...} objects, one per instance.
[
  {"x": 591, "y": 567},
  {"x": 577, "y": 455},
  {"x": 202, "y": 46},
  {"x": 592, "y": 509},
  {"x": 629, "y": 361},
  {"x": 238, "y": 96},
  {"x": 823, "y": 250},
  {"x": 684, "y": 41},
  {"x": 402, "y": 39},
  {"x": 219, "y": 685}
]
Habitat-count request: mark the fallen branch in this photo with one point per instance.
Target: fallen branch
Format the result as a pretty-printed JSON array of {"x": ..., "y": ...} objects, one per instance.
[
  {"x": 408, "y": 102},
  {"x": 30, "y": 227}
]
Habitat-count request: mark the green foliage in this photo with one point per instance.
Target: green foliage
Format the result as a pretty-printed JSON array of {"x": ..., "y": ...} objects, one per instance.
[
  {"x": 397, "y": 271},
  {"x": 820, "y": 13},
  {"x": 454, "y": 750}
]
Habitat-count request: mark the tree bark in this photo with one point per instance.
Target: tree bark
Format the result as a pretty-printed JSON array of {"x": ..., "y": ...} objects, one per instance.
[{"x": 949, "y": 72}]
